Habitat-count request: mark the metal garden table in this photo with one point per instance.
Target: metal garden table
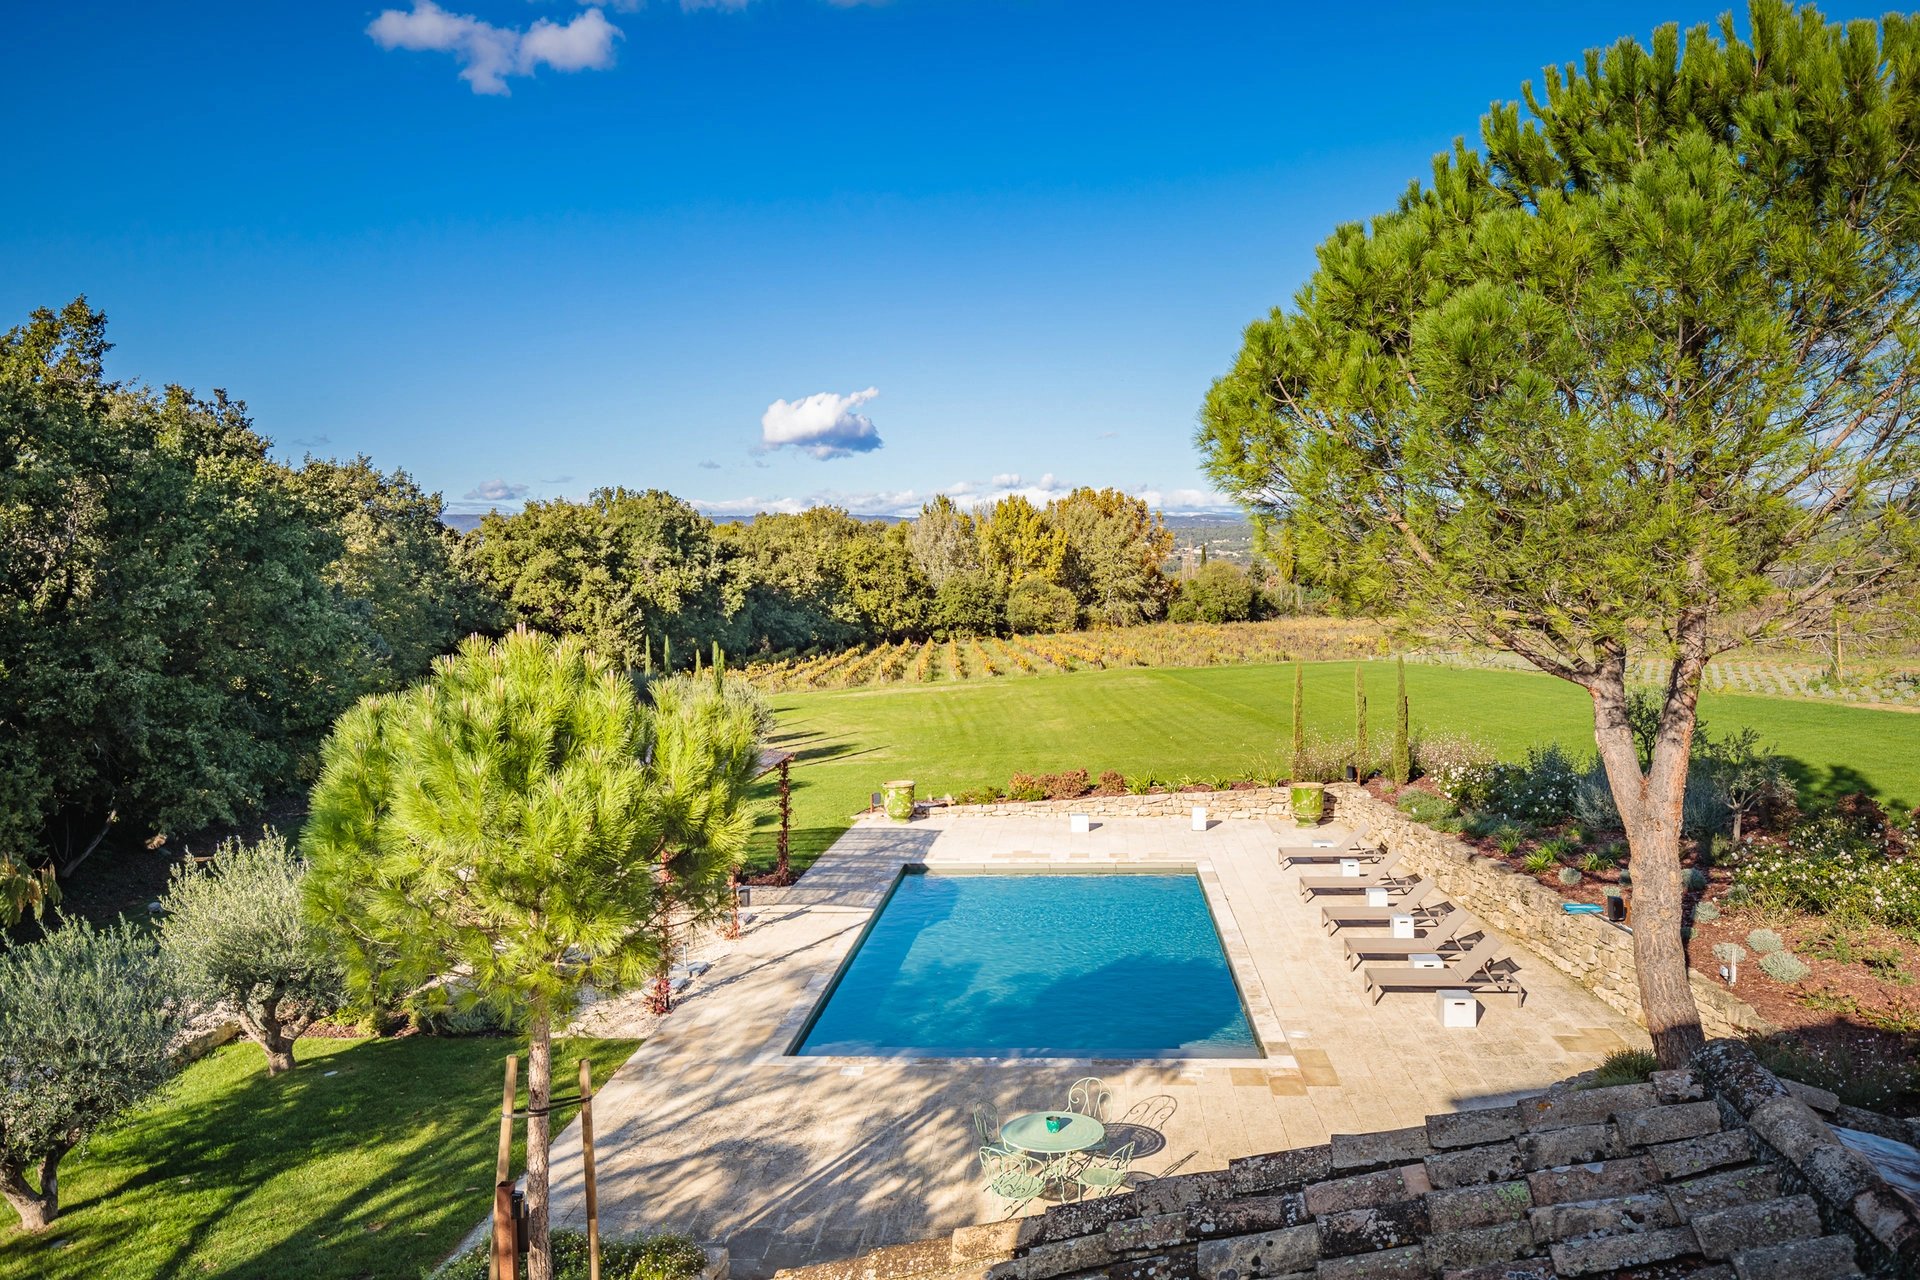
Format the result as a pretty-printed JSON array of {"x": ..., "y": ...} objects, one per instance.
[{"x": 1076, "y": 1133}]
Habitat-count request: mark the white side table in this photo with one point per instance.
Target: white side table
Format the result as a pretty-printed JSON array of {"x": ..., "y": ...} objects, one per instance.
[
  {"x": 1079, "y": 823},
  {"x": 1402, "y": 924},
  {"x": 1426, "y": 960},
  {"x": 1459, "y": 1008},
  {"x": 1199, "y": 818},
  {"x": 1376, "y": 897},
  {"x": 1349, "y": 866}
]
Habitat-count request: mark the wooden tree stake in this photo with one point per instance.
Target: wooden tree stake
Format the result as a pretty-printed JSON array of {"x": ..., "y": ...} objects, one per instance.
[
  {"x": 505, "y": 1262},
  {"x": 586, "y": 1152}
]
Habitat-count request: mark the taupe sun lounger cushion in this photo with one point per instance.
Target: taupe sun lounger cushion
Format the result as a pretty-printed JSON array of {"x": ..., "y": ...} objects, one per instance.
[
  {"x": 1454, "y": 925},
  {"x": 1355, "y": 845},
  {"x": 1334, "y": 915},
  {"x": 1469, "y": 971},
  {"x": 1372, "y": 878}
]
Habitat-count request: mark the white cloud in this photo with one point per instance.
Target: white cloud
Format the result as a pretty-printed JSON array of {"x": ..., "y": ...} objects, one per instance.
[
  {"x": 825, "y": 425},
  {"x": 487, "y": 54},
  {"x": 496, "y": 491},
  {"x": 732, "y": 6},
  {"x": 1006, "y": 480}
]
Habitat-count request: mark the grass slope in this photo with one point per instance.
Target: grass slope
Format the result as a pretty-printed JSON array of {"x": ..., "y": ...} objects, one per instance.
[
  {"x": 1214, "y": 721},
  {"x": 372, "y": 1158}
]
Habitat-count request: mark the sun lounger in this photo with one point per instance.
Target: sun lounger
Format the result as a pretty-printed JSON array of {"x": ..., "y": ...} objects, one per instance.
[
  {"x": 1451, "y": 927},
  {"x": 1417, "y": 897},
  {"x": 1379, "y": 875},
  {"x": 1355, "y": 845},
  {"x": 1472, "y": 971}
]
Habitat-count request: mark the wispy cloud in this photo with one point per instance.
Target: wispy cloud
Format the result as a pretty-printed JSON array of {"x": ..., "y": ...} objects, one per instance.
[
  {"x": 825, "y": 425},
  {"x": 489, "y": 54},
  {"x": 496, "y": 491},
  {"x": 708, "y": 464}
]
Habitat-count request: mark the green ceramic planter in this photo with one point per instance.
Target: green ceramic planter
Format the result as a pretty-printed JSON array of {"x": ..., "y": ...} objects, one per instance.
[
  {"x": 899, "y": 799},
  {"x": 1309, "y": 803}
]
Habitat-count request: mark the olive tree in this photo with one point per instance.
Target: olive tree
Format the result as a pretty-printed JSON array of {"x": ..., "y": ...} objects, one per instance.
[
  {"x": 237, "y": 934},
  {"x": 87, "y": 1024},
  {"x": 1636, "y": 377},
  {"x": 524, "y": 820}
]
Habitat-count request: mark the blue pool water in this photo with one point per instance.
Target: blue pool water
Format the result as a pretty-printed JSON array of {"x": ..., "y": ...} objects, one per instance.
[{"x": 1079, "y": 966}]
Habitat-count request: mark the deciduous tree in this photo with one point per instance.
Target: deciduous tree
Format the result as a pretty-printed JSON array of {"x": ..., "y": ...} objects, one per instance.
[{"x": 1636, "y": 376}]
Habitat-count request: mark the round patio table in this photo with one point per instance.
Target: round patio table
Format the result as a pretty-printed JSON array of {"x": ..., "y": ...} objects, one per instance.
[{"x": 1029, "y": 1133}]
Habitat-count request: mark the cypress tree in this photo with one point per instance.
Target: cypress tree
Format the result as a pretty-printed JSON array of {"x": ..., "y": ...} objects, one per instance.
[
  {"x": 719, "y": 668},
  {"x": 1402, "y": 748},
  {"x": 646, "y": 657},
  {"x": 666, "y": 649},
  {"x": 1299, "y": 729},
  {"x": 1359, "y": 723}
]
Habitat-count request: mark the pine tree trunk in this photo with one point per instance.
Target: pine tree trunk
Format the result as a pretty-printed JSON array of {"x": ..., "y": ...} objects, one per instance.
[
  {"x": 539, "y": 1134},
  {"x": 37, "y": 1209},
  {"x": 1651, "y": 807}
]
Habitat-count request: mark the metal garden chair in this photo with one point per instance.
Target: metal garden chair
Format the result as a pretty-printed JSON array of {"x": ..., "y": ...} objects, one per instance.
[
  {"x": 1011, "y": 1177},
  {"x": 1089, "y": 1096},
  {"x": 986, "y": 1124},
  {"x": 1105, "y": 1176}
]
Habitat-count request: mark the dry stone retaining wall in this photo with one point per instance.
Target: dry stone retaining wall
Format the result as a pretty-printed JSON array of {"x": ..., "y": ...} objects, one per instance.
[{"x": 1255, "y": 803}]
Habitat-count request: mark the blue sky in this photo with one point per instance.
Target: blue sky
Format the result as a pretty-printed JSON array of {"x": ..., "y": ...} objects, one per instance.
[{"x": 757, "y": 253}]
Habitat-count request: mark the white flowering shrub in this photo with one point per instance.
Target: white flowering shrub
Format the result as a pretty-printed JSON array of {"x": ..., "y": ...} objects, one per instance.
[
  {"x": 1460, "y": 768},
  {"x": 1828, "y": 866},
  {"x": 1542, "y": 788}
]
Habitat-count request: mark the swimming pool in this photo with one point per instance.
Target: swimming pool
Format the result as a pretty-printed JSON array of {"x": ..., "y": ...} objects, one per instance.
[{"x": 1105, "y": 965}]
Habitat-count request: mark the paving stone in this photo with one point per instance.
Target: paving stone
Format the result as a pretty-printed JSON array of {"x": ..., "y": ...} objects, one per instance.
[
  {"x": 1390, "y": 1146},
  {"x": 1477, "y": 1246},
  {"x": 1161, "y": 1231},
  {"x": 1575, "y": 1144},
  {"x": 1697, "y": 1155},
  {"x": 1247, "y": 1216},
  {"x": 1495, "y": 1162},
  {"x": 1267, "y": 1253},
  {"x": 1677, "y": 1086},
  {"x": 1281, "y": 1169},
  {"x": 1177, "y": 1264},
  {"x": 1586, "y": 1106},
  {"x": 1370, "y": 1230},
  {"x": 1726, "y": 1190},
  {"x": 1482, "y": 1206},
  {"x": 1670, "y": 1124},
  {"x": 1769, "y": 1222},
  {"x": 1356, "y": 1192},
  {"x": 1519, "y": 1269},
  {"x": 1594, "y": 1254},
  {"x": 1472, "y": 1128},
  {"x": 1619, "y": 1215},
  {"x": 1826, "y": 1258},
  {"x": 1409, "y": 1263},
  {"x": 1596, "y": 1181}
]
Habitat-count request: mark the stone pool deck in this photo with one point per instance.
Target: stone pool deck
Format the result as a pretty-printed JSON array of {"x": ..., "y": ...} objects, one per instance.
[{"x": 711, "y": 1129}]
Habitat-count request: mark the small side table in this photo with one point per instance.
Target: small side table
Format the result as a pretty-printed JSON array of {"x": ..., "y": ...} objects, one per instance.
[
  {"x": 1426, "y": 960},
  {"x": 1459, "y": 1008}
]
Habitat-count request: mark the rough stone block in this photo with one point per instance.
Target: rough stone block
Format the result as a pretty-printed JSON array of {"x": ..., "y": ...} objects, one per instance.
[
  {"x": 1837, "y": 1174},
  {"x": 1790, "y": 1127},
  {"x": 1697, "y": 1155},
  {"x": 1594, "y": 1254},
  {"x": 1369, "y": 1150},
  {"x": 1677, "y": 1086},
  {"x": 1670, "y": 1124},
  {"x": 1176, "y": 1264},
  {"x": 1619, "y": 1215},
  {"x": 1058, "y": 1258},
  {"x": 1370, "y": 1230},
  {"x": 1825, "y": 1258},
  {"x": 1481, "y": 1206},
  {"x": 1082, "y": 1218},
  {"x": 1409, "y": 1263},
  {"x": 1495, "y": 1162},
  {"x": 1268, "y": 1253},
  {"x": 1518, "y": 1269},
  {"x": 1167, "y": 1195},
  {"x": 1280, "y": 1170},
  {"x": 1727, "y": 1232},
  {"x": 1890, "y": 1219},
  {"x": 1586, "y": 1106},
  {"x": 1727, "y": 1190},
  {"x": 1477, "y": 1246},
  {"x": 1472, "y": 1128},
  {"x": 1597, "y": 1181},
  {"x": 1573, "y": 1145},
  {"x": 1161, "y": 1231},
  {"x": 1822, "y": 1100},
  {"x": 987, "y": 1240},
  {"x": 1729, "y": 1069},
  {"x": 1356, "y": 1192},
  {"x": 1247, "y": 1216}
]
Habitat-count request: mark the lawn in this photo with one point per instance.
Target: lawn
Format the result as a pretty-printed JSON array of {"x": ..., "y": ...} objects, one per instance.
[
  {"x": 372, "y": 1158},
  {"x": 1213, "y": 721}
]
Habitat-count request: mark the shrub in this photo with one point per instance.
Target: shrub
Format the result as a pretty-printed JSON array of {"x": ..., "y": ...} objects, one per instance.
[
  {"x": 1069, "y": 784},
  {"x": 1321, "y": 760},
  {"x": 1783, "y": 966},
  {"x": 1598, "y": 861},
  {"x": 1509, "y": 838},
  {"x": 1140, "y": 784},
  {"x": 1623, "y": 1066},
  {"x": 1765, "y": 942},
  {"x": 1425, "y": 806},
  {"x": 1459, "y": 767},
  {"x": 1541, "y": 788},
  {"x": 1037, "y": 606},
  {"x": 645, "y": 1258},
  {"x": 1729, "y": 953},
  {"x": 1827, "y": 866},
  {"x": 1705, "y": 912},
  {"x": 1593, "y": 802},
  {"x": 87, "y": 1021},
  {"x": 236, "y": 934},
  {"x": 1539, "y": 861},
  {"x": 1570, "y": 875},
  {"x": 1558, "y": 846},
  {"x": 1112, "y": 783},
  {"x": 1025, "y": 787},
  {"x": 1696, "y": 880},
  {"x": 1869, "y": 1073}
]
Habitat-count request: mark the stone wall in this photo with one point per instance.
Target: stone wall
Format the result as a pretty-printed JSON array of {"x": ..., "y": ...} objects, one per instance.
[
  {"x": 1596, "y": 954},
  {"x": 1255, "y": 802}
]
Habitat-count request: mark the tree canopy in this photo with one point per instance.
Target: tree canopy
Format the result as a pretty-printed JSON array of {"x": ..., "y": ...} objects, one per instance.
[{"x": 1637, "y": 373}]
